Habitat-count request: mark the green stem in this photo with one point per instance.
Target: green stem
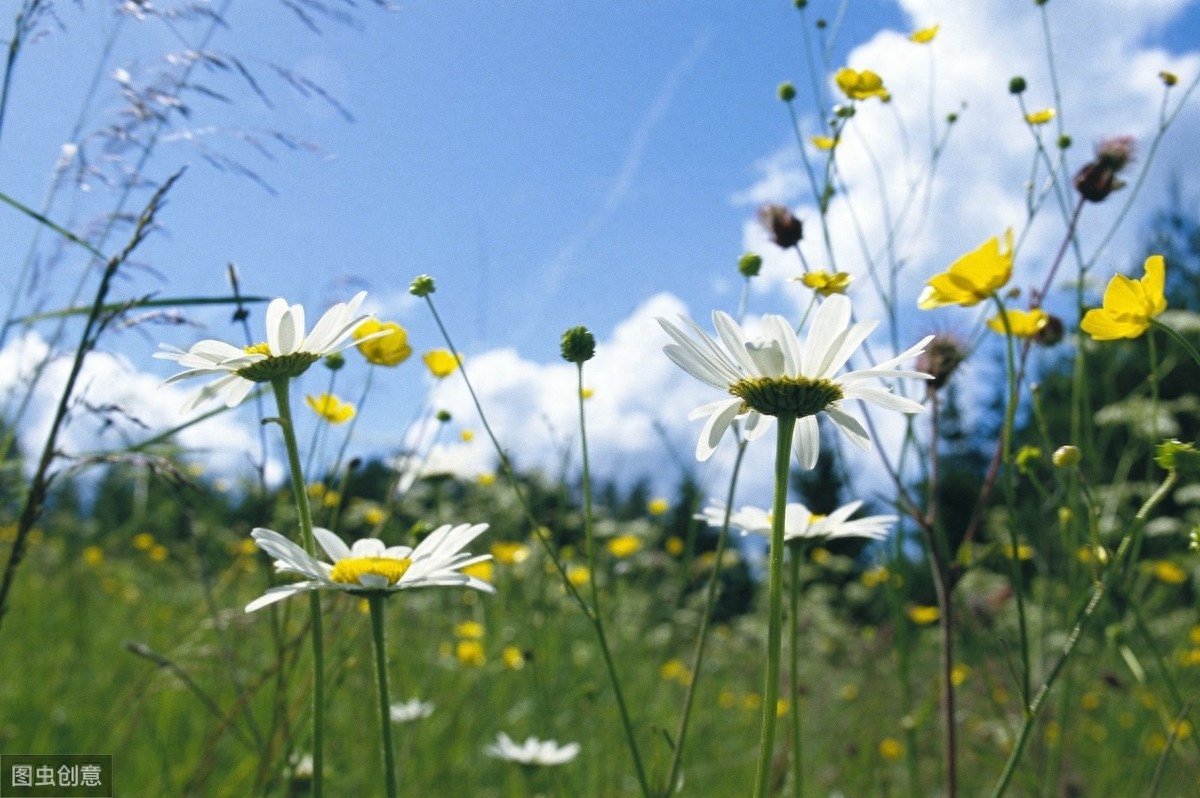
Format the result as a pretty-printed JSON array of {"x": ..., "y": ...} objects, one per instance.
[
  {"x": 375, "y": 600},
  {"x": 280, "y": 387},
  {"x": 783, "y": 454},
  {"x": 794, "y": 672},
  {"x": 1179, "y": 339},
  {"x": 595, "y": 615}
]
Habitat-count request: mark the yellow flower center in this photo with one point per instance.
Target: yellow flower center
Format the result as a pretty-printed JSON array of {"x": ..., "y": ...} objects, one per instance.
[
  {"x": 258, "y": 349},
  {"x": 348, "y": 571},
  {"x": 798, "y": 396}
]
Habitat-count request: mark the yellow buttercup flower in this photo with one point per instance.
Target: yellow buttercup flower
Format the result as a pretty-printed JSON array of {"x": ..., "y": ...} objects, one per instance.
[
  {"x": 514, "y": 658},
  {"x": 331, "y": 408},
  {"x": 441, "y": 363},
  {"x": 891, "y": 748},
  {"x": 624, "y": 545},
  {"x": 469, "y": 630},
  {"x": 1040, "y": 117},
  {"x": 470, "y": 653},
  {"x": 385, "y": 350},
  {"x": 1022, "y": 323},
  {"x": 826, "y": 283},
  {"x": 1128, "y": 304},
  {"x": 924, "y": 35},
  {"x": 972, "y": 278},
  {"x": 658, "y": 506},
  {"x": 1169, "y": 572},
  {"x": 510, "y": 553},
  {"x": 823, "y": 142},
  {"x": 860, "y": 85},
  {"x": 922, "y": 615}
]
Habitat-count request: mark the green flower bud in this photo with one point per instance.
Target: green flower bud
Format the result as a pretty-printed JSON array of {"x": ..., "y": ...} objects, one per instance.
[
  {"x": 822, "y": 24},
  {"x": 443, "y": 416},
  {"x": 1066, "y": 456},
  {"x": 1016, "y": 85},
  {"x": 1064, "y": 141},
  {"x": 335, "y": 361},
  {"x": 801, "y": 4},
  {"x": 749, "y": 265},
  {"x": 787, "y": 92},
  {"x": 422, "y": 285},
  {"x": 951, "y": 118},
  {"x": 578, "y": 345}
]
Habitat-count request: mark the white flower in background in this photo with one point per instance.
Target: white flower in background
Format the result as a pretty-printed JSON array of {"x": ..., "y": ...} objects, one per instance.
[
  {"x": 773, "y": 375},
  {"x": 533, "y": 751},
  {"x": 408, "y": 711},
  {"x": 287, "y": 352},
  {"x": 800, "y": 523},
  {"x": 371, "y": 567}
]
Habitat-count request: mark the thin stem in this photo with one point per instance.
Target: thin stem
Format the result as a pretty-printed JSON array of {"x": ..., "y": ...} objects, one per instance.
[
  {"x": 1178, "y": 338},
  {"x": 783, "y": 452},
  {"x": 596, "y": 616},
  {"x": 794, "y": 672},
  {"x": 375, "y": 600},
  {"x": 280, "y": 387}
]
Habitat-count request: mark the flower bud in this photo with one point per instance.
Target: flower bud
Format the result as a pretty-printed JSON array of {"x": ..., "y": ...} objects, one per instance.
[
  {"x": 334, "y": 361},
  {"x": 443, "y": 416},
  {"x": 578, "y": 345},
  {"x": 1064, "y": 141},
  {"x": 1066, "y": 456},
  {"x": 787, "y": 92},
  {"x": 940, "y": 358},
  {"x": 822, "y": 24},
  {"x": 801, "y": 4},
  {"x": 1169, "y": 79},
  {"x": 749, "y": 265},
  {"x": 1016, "y": 85},
  {"x": 422, "y": 286},
  {"x": 785, "y": 229},
  {"x": 1098, "y": 178},
  {"x": 1051, "y": 332}
]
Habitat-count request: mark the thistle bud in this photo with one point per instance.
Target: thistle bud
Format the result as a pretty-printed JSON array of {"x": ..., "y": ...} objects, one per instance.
[
  {"x": 578, "y": 345},
  {"x": 785, "y": 229},
  {"x": 749, "y": 265},
  {"x": 1098, "y": 178},
  {"x": 787, "y": 92},
  {"x": 940, "y": 358},
  {"x": 422, "y": 286}
]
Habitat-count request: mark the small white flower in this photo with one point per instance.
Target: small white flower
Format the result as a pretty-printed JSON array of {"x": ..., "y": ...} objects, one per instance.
[
  {"x": 413, "y": 709},
  {"x": 288, "y": 351},
  {"x": 775, "y": 374},
  {"x": 800, "y": 523},
  {"x": 371, "y": 567},
  {"x": 533, "y": 751}
]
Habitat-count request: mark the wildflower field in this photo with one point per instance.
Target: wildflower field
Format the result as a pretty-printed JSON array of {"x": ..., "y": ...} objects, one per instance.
[{"x": 932, "y": 527}]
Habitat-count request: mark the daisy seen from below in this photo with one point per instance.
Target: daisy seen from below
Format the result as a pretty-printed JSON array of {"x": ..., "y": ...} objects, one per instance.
[
  {"x": 802, "y": 524},
  {"x": 287, "y": 352},
  {"x": 1128, "y": 305},
  {"x": 533, "y": 751},
  {"x": 972, "y": 278},
  {"x": 773, "y": 375},
  {"x": 371, "y": 567}
]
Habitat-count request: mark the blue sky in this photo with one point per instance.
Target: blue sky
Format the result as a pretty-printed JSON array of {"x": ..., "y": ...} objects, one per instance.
[{"x": 555, "y": 164}]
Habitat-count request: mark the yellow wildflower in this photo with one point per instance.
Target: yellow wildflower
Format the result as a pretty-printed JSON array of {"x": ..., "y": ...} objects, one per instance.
[
  {"x": 726, "y": 699},
  {"x": 922, "y": 615},
  {"x": 1040, "y": 117},
  {"x": 143, "y": 541},
  {"x": 467, "y": 435},
  {"x": 1169, "y": 572},
  {"x": 1022, "y": 323},
  {"x": 751, "y": 701},
  {"x": 486, "y": 478},
  {"x": 374, "y": 516},
  {"x": 587, "y": 393},
  {"x": 158, "y": 552},
  {"x": 826, "y": 283},
  {"x": 514, "y": 658},
  {"x": 1128, "y": 304},
  {"x": 480, "y": 570},
  {"x": 658, "y": 506},
  {"x": 874, "y": 576},
  {"x": 93, "y": 556},
  {"x": 824, "y": 143},
  {"x": 959, "y": 674},
  {"x": 470, "y": 630},
  {"x": 1090, "y": 701},
  {"x": 781, "y": 707},
  {"x": 860, "y": 85},
  {"x": 577, "y": 575},
  {"x": 891, "y": 748},
  {"x": 972, "y": 278},
  {"x": 386, "y": 350},
  {"x": 672, "y": 670},
  {"x": 924, "y": 35},
  {"x": 441, "y": 363},
  {"x": 331, "y": 499},
  {"x": 470, "y": 653},
  {"x": 624, "y": 545},
  {"x": 510, "y": 553},
  {"x": 1024, "y": 552},
  {"x": 331, "y": 408},
  {"x": 674, "y": 546}
]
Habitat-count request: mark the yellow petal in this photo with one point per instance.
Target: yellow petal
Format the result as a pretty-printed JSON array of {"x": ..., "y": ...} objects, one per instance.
[
  {"x": 823, "y": 142},
  {"x": 1154, "y": 283},
  {"x": 1040, "y": 117},
  {"x": 1104, "y": 325},
  {"x": 924, "y": 35}
]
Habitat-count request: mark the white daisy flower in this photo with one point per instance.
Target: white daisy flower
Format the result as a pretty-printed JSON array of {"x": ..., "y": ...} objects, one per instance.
[
  {"x": 407, "y": 711},
  {"x": 800, "y": 523},
  {"x": 287, "y": 352},
  {"x": 773, "y": 374},
  {"x": 369, "y": 566},
  {"x": 533, "y": 751}
]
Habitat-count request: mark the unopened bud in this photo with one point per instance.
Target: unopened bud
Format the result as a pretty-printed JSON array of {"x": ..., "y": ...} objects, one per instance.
[
  {"x": 785, "y": 229},
  {"x": 1017, "y": 85},
  {"x": 1098, "y": 178},
  {"x": 1169, "y": 79},
  {"x": 787, "y": 92},
  {"x": 749, "y": 265},
  {"x": 1051, "y": 332},
  {"x": 578, "y": 345},
  {"x": 443, "y": 416},
  {"x": 334, "y": 361},
  {"x": 1066, "y": 456},
  {"x": 1064, "y": 141},
  {"x": 422, "y": 286}
]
